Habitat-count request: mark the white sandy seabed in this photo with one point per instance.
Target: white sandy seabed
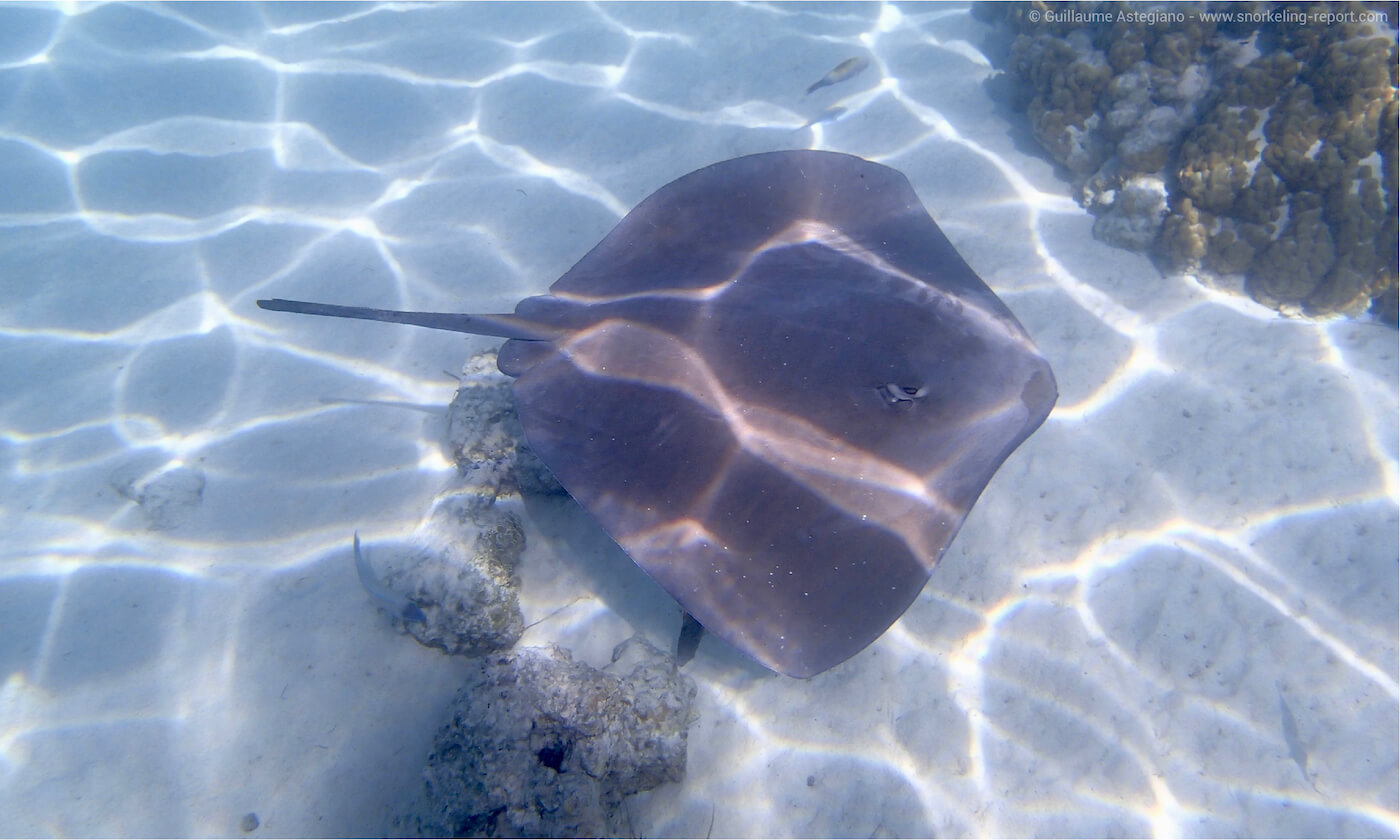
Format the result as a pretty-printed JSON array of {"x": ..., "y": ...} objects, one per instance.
[{"x": 1173, "y": 611}]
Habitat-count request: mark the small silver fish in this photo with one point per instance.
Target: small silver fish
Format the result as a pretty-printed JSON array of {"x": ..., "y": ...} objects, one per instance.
[
  {"x": 829, "y": 115},
  {"x": 396, "y": 604},
  {"x": 841, "y": 72}
]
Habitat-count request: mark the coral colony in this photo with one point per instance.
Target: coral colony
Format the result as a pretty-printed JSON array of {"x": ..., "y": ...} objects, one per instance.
[{"x": 1253, "y": 147}]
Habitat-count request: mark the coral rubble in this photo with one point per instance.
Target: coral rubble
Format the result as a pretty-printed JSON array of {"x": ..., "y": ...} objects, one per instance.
[
  {"x": 538, "y": 745},
  {"x": 465, "y": 582},
  {"x": 485, "y": 438}
]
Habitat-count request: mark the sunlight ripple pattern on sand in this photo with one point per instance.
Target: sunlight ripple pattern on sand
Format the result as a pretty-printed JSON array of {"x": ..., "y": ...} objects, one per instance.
[{"x": 1204, "y": 531}]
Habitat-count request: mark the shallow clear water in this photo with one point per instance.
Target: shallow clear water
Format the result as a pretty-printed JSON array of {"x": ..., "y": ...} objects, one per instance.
[{"x": 1173, "y": 611}]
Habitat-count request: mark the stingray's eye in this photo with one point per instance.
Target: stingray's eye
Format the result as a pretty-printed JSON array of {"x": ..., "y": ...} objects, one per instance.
[{"x": 896, "y": 393}]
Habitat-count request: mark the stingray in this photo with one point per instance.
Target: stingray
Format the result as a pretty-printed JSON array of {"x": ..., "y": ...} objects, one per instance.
[{"x": 778, "y": 387}]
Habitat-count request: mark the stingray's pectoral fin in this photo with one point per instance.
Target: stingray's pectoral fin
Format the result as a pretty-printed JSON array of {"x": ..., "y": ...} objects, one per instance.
[{"x": 502, "y": 326}]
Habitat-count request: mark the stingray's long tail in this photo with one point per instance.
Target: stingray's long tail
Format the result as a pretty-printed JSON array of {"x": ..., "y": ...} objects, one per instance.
[{"x": 503, "y": 326}]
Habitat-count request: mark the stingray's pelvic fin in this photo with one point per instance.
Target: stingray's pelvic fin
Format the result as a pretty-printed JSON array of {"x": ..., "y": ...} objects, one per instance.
[{"x": 689, "y": 640}]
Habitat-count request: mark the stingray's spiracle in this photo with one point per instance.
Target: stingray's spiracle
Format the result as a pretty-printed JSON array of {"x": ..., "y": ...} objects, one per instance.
[{"x": 894, "y": 393}]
